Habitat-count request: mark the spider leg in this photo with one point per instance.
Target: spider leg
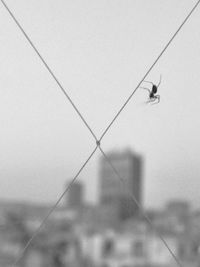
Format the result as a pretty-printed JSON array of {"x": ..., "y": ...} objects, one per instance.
[
  {"x": 156, "y": 97},
  {"x": 147, "y": 82},
  {"x": 151, "y": 99},
  {"x": 146, "y": 89},
  {"x": 159, "y": 81}
]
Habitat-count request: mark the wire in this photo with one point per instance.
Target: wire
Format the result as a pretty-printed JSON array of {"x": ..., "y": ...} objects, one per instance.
[
  {"x": 151, "y": 67},
  {"x": 52, "y": 209},
  {"x": 48, "y": 68},
  {"x": 132, "y": 197},
  {"x": 86, "y": 124}
]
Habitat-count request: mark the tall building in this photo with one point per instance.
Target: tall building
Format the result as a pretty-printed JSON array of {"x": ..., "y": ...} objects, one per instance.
[
  {"x": 75, "y": 195},
  {"x": 113, "y": 191}
]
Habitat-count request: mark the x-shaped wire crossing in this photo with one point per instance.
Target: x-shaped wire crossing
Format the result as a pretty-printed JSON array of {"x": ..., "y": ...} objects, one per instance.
[{"x": 98, "y": 141}]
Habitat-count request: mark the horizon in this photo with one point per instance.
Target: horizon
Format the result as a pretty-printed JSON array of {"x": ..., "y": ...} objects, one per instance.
[{"x": 99, "y": 51}]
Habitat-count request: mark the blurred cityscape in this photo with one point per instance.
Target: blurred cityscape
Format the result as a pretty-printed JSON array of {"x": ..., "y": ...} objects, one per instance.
[{"x": 111, "y": 233}]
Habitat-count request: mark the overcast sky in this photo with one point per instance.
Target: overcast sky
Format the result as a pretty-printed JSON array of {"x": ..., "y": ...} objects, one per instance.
[{"x": 99, "y": 51}]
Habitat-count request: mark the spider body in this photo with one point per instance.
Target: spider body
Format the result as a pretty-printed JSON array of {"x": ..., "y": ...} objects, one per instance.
[
  {"x": 152, "y": 92},
  {"x": 154, "y": 89}
]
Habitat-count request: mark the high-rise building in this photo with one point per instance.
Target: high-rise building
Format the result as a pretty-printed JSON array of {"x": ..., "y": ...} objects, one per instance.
[
  {"x": 113, "y": 191},
  {"x": 75, "y": 195}
]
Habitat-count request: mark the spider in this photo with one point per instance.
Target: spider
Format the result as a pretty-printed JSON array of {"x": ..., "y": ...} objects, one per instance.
[{"x": 152, "y": 93}]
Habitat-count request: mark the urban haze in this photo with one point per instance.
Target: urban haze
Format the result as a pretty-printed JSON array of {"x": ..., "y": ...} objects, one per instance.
[{"x": 73, "y": 108}]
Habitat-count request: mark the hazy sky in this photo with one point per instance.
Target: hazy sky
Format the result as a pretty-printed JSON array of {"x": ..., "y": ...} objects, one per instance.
[{"x": 99, "y": 50}]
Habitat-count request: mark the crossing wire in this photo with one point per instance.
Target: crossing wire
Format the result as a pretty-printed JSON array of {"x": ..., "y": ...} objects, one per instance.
[
  {"x": 52, "y": 209},
  {"x": 134, "y": 200},
  {"x": 48, "y": 68},
  {"x": 86, "y": 124}
]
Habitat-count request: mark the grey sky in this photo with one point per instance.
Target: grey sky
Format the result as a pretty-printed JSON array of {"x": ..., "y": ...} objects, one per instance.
[{"x": 99, "y": 50}]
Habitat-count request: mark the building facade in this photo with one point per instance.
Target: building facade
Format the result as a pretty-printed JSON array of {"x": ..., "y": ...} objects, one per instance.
[
  {"x": 75, "y": 195},
  {"x": 121, "y": 191}
]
